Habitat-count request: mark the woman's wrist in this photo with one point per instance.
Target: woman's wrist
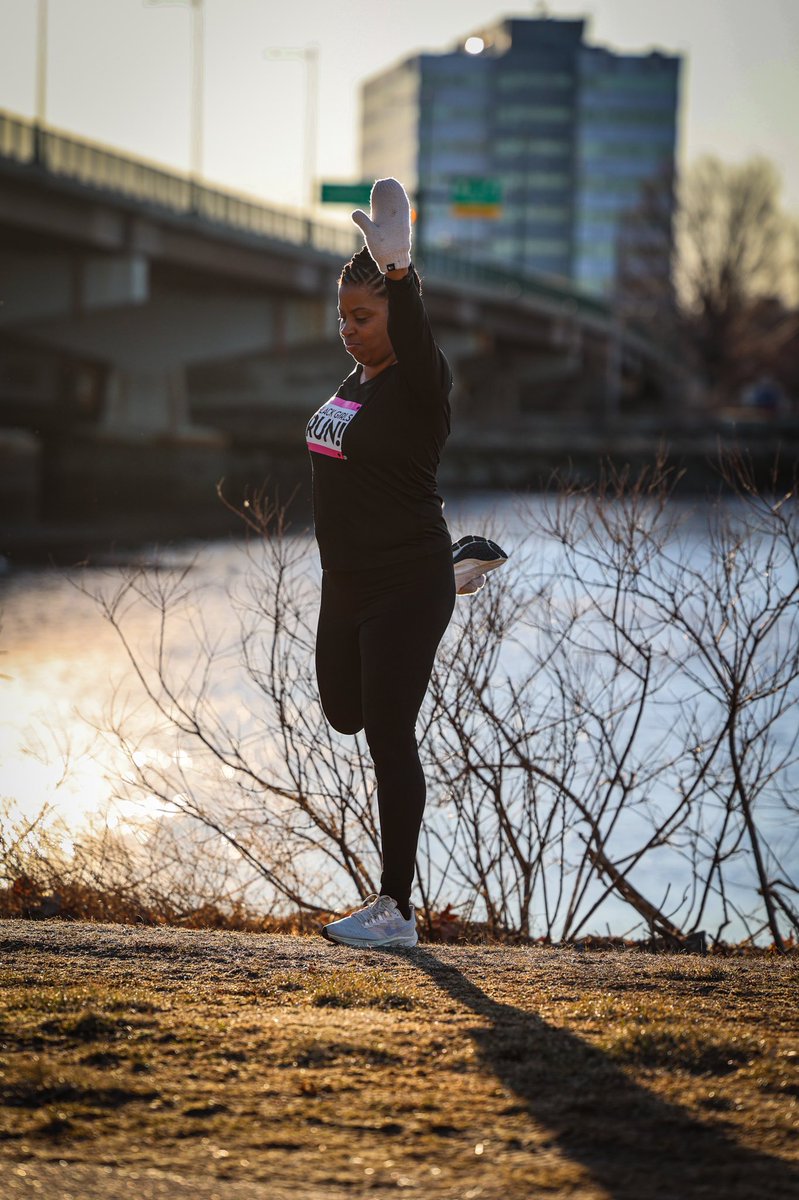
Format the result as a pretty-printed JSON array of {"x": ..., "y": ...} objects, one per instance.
[{"x": 400, "y": 274}]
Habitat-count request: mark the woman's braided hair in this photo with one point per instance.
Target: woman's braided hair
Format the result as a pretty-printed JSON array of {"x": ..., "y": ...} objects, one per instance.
[{"x": 363, "y": 271}]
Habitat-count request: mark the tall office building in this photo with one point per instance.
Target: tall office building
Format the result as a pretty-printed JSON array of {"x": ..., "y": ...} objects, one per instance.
[{"x": 573, "y": 135}]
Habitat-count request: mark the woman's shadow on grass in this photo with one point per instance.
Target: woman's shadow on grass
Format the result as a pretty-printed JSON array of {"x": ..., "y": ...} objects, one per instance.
[{"x": 633, "y": 1144}]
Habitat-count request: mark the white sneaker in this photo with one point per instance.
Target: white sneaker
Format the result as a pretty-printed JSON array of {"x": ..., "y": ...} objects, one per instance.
[{"x": 378, "y": 923}]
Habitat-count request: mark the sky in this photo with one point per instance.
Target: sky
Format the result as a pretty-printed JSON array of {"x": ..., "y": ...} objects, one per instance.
[{"x": 118, "y": 72}]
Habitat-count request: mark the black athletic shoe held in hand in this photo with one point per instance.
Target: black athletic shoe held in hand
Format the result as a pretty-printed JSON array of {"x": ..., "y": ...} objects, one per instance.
[{"x": 473, "y": 557}]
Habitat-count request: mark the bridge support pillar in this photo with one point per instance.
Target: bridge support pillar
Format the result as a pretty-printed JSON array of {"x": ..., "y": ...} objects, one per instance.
[
  {"x": 144, "y": 461},
  {"x": 146, "y": 403}
]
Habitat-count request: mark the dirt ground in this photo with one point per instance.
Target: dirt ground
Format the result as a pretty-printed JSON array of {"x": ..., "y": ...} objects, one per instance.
[{"x": 225, "y": 1066}]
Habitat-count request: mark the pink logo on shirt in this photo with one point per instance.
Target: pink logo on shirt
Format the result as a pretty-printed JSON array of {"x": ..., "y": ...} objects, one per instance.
[{"x": 327, "y": 426}]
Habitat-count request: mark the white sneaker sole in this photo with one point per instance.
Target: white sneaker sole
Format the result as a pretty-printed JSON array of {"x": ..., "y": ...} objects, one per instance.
[
  {"x": 467, "y": 568},
  {"x": 401, "y": 939}
]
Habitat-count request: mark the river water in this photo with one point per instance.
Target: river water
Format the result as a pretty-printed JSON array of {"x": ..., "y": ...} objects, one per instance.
[{"x": 65, "y": 675}]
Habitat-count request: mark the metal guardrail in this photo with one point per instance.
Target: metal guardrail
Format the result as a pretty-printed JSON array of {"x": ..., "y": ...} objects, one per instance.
[
  {"x": 442, "y": 265},
  {"x": 96, "y": 166}
]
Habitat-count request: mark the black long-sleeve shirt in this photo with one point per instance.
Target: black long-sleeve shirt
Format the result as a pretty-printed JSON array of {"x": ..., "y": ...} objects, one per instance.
[{"x": 375, "y": 449}]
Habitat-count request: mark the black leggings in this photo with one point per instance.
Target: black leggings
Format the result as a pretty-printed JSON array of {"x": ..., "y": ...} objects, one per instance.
[{"x": 377, "y": 637}]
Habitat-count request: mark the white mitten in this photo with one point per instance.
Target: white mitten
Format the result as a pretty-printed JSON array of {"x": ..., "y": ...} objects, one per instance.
[{"x": 387, "y": 232}]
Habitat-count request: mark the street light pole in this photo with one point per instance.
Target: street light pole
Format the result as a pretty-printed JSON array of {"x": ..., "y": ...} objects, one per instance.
[
  {"x": 311, "y": 106},
  {"x": 41, "y": 81},
  {"x": 310, "y": 56},
  {"x": 197, "y": 84},
  {"x": 197, "y": 88}
]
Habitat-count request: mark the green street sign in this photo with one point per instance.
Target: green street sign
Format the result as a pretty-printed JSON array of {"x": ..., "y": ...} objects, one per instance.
[
  {"x": 346, "y": 193},
  {"x": 476, "y": 197}
]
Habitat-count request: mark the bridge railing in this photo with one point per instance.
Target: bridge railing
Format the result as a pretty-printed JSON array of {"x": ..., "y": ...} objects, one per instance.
[
  {"x": 444, "y": 265},
  {"x": 17, "y": 138},
  {"x": 97, "y": 166}
]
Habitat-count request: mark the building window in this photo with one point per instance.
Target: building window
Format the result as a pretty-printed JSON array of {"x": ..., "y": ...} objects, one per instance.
[
  {"x": 511, "y": 81},
  {"x": 534, "y": 113}
]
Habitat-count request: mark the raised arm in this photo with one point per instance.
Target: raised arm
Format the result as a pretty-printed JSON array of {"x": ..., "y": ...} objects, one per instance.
[
  {"x": 420, "y": 360},
  {"x": 387, "y": 233}
]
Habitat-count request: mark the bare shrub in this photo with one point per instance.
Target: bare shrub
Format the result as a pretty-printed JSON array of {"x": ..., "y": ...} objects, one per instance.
[
  {"x": 648, "y": 707},
  {"x": 607, "y": 707}
]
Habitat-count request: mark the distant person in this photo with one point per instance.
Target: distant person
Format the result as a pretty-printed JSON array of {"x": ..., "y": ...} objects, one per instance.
[
  {"x": 766, "y": 395},
  {"x": 388, "y": 565}
]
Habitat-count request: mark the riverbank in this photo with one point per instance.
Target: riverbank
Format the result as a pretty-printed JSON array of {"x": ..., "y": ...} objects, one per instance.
[
  {"x": 100, "y": 499},
  {"x": 244, "y": 1065}
]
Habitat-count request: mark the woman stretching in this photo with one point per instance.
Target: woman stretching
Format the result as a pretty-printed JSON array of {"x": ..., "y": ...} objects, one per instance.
[{"x": 388, "y": 583}]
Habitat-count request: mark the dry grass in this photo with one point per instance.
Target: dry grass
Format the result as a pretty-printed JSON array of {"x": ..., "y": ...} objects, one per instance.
[{"x": 443, "y": 1071}]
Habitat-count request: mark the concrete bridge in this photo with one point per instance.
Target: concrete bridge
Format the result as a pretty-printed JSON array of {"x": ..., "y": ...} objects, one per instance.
[{"x": 142, "y": 309}]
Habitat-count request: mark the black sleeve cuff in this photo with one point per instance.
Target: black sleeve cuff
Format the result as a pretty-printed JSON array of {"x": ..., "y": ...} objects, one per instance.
[{"x": 410, "y": 280}]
